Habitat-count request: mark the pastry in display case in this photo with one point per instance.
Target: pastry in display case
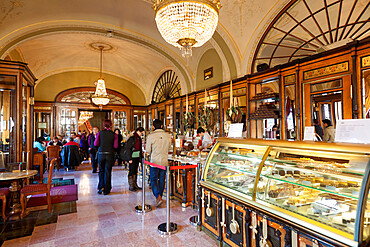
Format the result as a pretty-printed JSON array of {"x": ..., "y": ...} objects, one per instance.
[
  {"x": 321, "y": 187},
  {"x": 235, "y": 167}
]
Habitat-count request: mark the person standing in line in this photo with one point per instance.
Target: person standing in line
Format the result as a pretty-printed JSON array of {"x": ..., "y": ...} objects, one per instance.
[
  {"x": 93, "y": 149},
  {"x": 106, "y": 141},
  {"x": 134, "y": 155},
  {"x": 319, "y": 132},
  {"x": 329, "y": 131},
  {"x": 118, "y": 150},
  {"x": 84, "y": 145},
  {"x": 157, "y": 145}
]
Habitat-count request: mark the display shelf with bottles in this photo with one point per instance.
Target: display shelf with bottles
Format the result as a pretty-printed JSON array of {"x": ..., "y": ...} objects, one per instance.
[{"x": 319, "y": 186}]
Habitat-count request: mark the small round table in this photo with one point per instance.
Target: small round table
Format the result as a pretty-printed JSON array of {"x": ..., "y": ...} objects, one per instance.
[{"x": 15, "y": 187}]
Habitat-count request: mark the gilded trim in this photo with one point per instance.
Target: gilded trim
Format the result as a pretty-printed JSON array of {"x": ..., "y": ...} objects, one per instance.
[
  {"x": 209, "y": 98},
  {"x": 328, "y": 70},
  {"x": 365, "y": 61},
  {"x": 236, "y": 92},
  {"x": 289, "y": 79},
  {"x": 46, "y": 108}
]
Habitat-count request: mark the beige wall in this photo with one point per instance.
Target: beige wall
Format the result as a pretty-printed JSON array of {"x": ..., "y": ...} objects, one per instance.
[
  {"x": 50, "y": 87},
  {"x": 209, "y": 59}
]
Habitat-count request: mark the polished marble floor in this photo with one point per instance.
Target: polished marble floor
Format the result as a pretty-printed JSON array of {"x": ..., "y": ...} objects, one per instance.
[{"x": 111, "y": 220}]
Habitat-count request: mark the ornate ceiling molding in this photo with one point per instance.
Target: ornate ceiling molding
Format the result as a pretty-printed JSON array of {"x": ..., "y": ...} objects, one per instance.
[{"x": 131, "y": 36}]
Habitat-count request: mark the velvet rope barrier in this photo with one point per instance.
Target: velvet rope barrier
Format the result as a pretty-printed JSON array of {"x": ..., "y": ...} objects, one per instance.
[{"x": 171, "y": 167}]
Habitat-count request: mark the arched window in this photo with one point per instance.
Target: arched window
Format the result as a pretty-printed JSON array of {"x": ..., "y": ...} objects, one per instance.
[
  {"x": 306, "y": 27},
  {"x": 83, "y": 95},
  {"x": 167, "y": 87}
]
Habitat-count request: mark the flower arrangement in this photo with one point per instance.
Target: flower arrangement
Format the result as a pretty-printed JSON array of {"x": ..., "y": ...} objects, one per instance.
[
  {"x": 234, "y": 114},
  {"x": 189, "y": 119},
  {"x": 208, "y": 117}
]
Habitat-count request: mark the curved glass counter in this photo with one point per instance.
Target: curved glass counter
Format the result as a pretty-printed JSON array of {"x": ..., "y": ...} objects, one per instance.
[{"x": 324, "y": 186}]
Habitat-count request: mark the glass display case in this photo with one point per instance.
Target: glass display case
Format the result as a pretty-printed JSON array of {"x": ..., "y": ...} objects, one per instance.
[{"x": 323, "y": 187}]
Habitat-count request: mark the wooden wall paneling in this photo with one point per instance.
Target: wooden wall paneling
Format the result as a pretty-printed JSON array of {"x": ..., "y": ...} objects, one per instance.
[
  {"x": 355, "y": 85},
  {"x": 32, "y": 132},
  {"x": 220, "y": 115},
  {"x": 299, "y": 104},
  {"x": 282, "y": 107},
  {"x": 307, "y": 109},
  {"x": 346, "y": 96},
  {"x": 18, "y": 117},
  {"x": 29, "y": 127},
  {"x": 363, "y": 55}
]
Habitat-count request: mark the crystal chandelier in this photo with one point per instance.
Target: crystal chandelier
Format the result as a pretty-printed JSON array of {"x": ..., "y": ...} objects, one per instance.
[
  {"x": 100, "y": 97},
  {"x": 186, "y": 24}
]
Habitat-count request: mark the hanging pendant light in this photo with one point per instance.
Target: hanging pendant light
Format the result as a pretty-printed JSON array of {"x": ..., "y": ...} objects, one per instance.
[
  {"x": 100, "y": 97},
  {"x": 186, "y": 24}
]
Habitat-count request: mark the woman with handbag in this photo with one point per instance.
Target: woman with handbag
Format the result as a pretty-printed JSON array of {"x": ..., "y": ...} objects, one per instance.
[{"x": 133, "y": 154}]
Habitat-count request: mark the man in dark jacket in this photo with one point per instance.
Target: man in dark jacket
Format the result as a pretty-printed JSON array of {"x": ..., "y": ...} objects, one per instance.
[
  {"x": 93, "y": 149},
  {"x": 70, "y": 154}
]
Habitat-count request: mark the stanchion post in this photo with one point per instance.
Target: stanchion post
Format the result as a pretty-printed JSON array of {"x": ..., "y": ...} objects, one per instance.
[
  {"x": 143, "y": 208},
  {"x": 194, "y": 219},
  {"x": 168, "y": 200},
  {"x": 169, "y": 227}
]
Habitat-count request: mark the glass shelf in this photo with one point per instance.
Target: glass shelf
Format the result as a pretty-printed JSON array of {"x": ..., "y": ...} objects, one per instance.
[{"x": 321, "y": 189}]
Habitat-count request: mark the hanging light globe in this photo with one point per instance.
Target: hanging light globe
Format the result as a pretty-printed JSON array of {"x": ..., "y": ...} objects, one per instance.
[{"x": 186, "y": 24}]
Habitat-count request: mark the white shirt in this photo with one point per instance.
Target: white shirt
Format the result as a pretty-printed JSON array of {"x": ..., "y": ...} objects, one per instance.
[{"x": 206, "y": 140}]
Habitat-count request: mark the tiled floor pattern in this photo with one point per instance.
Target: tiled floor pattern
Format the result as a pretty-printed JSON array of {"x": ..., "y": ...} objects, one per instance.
[{"x": 111, "y": 220}]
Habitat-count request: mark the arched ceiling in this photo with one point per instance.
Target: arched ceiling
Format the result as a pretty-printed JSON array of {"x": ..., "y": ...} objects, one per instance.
[
  {"x": 74, "y": 52},
  {"x": 52, "y": 37}
]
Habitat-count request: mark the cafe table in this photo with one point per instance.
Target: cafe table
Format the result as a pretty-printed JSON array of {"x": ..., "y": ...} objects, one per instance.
[{"x": 16, "y": 178}]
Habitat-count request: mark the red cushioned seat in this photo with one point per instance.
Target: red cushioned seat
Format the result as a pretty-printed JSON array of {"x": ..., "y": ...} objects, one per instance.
[
  {"x": 34, "y": 188},
  {"x": 4, "y": 191}
]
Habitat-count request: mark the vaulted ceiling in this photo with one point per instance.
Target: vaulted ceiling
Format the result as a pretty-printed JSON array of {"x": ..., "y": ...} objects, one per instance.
[{"x": 55, "y": 37}]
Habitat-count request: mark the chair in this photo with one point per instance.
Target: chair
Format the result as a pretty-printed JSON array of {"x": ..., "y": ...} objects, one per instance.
[
  {"x": 38, "y": 160},
  {"x": 53, "y": 152},
  {"x": 36, "y": 189},
  {"x": 4, "y": 193}
]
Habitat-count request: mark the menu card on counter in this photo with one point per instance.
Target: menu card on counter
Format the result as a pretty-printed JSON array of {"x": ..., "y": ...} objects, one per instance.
[
  {"x": 236, "y": 130},
  {"x": 353, "y": 131},
  {"x": 309, "y": 133}
]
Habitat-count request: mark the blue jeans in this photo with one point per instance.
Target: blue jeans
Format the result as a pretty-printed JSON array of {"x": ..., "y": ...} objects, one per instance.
[
  {"x": 157, "y": 181},
  {"x": 106, "y": 162}
]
